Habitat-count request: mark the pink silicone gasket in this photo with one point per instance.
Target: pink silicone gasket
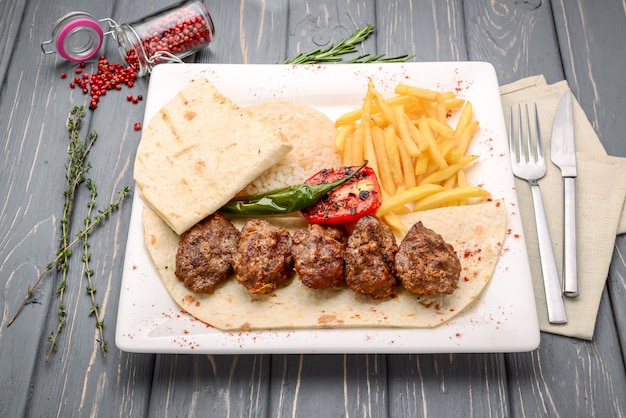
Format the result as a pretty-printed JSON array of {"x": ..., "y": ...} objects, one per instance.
[{"x": 67, "y": 29}]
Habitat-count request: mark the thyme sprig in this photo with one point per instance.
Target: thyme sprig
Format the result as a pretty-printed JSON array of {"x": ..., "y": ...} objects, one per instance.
[
  {"x": 335, "y": 53},
  {"x": 97, "y": 220},
  {"x": 95, "y": 308},
  {"x": 76, "y": 170}
]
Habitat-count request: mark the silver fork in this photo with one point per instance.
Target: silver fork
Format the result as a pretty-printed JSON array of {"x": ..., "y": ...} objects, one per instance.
[{"x": 529, "y": 164}]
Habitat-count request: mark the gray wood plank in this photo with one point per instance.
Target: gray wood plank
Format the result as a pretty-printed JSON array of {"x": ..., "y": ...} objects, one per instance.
[
  {"x": 448, "y": 385},
  {"x": 329, "y": 385},
  {"x": 423, "y": 384},
  {"x": 320, "y": 24},
  {"x": 432, "y": 30},
  {"x": 582, "y": 27},
  {"x": 35, "y": 104},
  {"x": 216, "y": 386},
  {"x": 555, "y": 386},
  {"x": 255, "y": 37},
  {"x": 11, "y": 15},
  {"x": 226, "y": 385},
  {"x": 591, "y": 71},
  {"x": 565, "y": 377},
  {"x": 569, "y": 377},
  {"x": 517, "y": 37}
]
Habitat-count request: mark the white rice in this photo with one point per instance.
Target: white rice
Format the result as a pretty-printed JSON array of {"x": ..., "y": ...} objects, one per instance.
[{"x": 312, "y": 135}]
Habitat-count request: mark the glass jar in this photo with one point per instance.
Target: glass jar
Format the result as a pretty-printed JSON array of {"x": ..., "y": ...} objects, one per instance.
[
  {"x": 165, "y": 36},
  {"x": 77, "y": 36}
]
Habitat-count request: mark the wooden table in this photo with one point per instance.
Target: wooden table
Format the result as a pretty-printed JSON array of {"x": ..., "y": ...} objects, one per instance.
[{"x": 581, "y": 41}]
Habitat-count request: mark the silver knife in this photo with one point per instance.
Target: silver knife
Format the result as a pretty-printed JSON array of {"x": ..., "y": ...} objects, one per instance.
[{"x": 563, "y": 151}]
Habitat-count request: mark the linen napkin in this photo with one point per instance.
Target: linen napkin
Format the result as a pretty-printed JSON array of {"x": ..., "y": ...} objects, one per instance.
[{"x": 600, "y": 194}]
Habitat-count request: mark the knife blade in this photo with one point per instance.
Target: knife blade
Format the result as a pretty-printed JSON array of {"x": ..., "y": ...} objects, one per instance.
[{"x": 563, "y": 154}]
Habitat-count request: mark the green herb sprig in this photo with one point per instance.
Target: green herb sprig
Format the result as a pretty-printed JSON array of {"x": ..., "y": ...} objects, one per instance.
[
  {"x": 76, "y": 170},
  {"x": 335, "y": 53},
  {"x": 91, "y": 290}
]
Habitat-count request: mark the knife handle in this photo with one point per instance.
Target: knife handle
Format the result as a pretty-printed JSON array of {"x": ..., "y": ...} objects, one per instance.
[{"x": 570, "y": 269}]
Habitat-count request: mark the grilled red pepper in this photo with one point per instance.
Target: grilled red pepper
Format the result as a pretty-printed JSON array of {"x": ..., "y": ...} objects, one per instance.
[{"x": 347, "y": 203}]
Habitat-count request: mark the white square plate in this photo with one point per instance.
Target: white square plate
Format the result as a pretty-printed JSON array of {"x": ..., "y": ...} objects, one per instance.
[{"x": 503, "y": 319}]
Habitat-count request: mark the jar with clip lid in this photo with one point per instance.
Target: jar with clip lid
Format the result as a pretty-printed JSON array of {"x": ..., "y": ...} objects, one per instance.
[{"x": 169, "y": 35}]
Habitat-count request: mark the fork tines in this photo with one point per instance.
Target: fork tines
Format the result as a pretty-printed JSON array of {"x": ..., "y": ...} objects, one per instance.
[{"x": 528, "y": 149}]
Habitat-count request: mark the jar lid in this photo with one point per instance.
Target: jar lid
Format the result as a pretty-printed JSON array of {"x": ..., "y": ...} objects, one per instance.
[{"x": 77, "y": 37}]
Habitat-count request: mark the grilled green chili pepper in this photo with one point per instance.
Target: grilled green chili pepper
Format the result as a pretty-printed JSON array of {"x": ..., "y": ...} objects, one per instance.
[{"x": 284, "y": 200}]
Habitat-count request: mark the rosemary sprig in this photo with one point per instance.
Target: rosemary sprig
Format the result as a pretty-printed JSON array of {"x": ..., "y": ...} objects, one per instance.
[{"x": 334, "y": 53}]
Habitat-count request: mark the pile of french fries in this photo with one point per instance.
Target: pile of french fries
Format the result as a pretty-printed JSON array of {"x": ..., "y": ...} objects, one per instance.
[{"x": 407, "y": 139}]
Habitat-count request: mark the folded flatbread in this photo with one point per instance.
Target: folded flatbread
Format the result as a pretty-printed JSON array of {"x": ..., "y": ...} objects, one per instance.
[
  {"x": 475, "y": 231},
  {"x": 200, "y": 150}
]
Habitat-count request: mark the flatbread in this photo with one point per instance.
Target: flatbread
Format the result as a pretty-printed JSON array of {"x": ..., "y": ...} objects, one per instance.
[
  {"x": 475, "y": 231},
  {"x": 198, "y": 151}
]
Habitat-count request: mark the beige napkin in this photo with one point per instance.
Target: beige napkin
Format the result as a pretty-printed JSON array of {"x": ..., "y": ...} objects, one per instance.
[{"x": 601, "y": 191}]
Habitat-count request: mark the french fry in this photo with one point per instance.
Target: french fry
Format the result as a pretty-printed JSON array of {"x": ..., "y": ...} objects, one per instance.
[
  {"x": 368, "y": 145},
  {"x": 442, "y": 112},
  {"x": 441, "y": 128},
  {"x": 421, "y": 165},
  {"x": 430, "y": 109},
  {"x": 461, "y": 179},
  {"x": 402, "y": 125},
  {"x": 465, "y": 138},
  {"x": 383, "y": 107},
  {"x": 419, "y": 139},
  {"x": 410, "y": 195},
  {"x": 391, "y": 147},
  {"x": 342, "y": 132},
  {"x": 465, "y": 118},
  {"x": 420, "y": 93},
  {"x": 394, "y": 222},
  {"x": 448, "y": 172},
  {"x": 424, "y": 128},
  {"x": 408, "y": 141},
  {"x": 448, "y": 184},
  {"x": 355, "y": 152},
  {"x": 354, "y": 115},
  {"x": 444, "y": 197},
  {"x": 379, "y": 120},
  {"x": 386, "y": 177},
  {"x": 407, "y": 166},
  {"x": 454, "y": 104}
]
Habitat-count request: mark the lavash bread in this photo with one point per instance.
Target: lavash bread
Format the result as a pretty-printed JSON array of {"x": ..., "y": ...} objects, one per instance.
[
  {"x": 475, "y": 231},
  {"x": 198, "y": 151}
]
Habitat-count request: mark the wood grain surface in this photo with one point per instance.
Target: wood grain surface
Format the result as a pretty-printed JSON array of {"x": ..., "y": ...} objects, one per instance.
[{"x": 577, "y": 40}]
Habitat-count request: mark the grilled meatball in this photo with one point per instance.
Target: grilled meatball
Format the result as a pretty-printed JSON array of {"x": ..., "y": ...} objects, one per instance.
[
  {"x": 370, "y": 258},
  {"x": 263, "y": 261},
  {"x": 318, "y": 255},
  {"x": 204, "y": 253},
  {"x": 426, "y": 264}
]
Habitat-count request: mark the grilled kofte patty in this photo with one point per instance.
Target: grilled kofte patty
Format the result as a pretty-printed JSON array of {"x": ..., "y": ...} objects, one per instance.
[
  {"x": 263, "y": 257},
  {"x": 370, "y": 258},
  {"x": 263, "y": 261},
  {"x": 426, "y": 264},
  {"x": 204, "y": 253},
  {"x": 318, "y": 253}
]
